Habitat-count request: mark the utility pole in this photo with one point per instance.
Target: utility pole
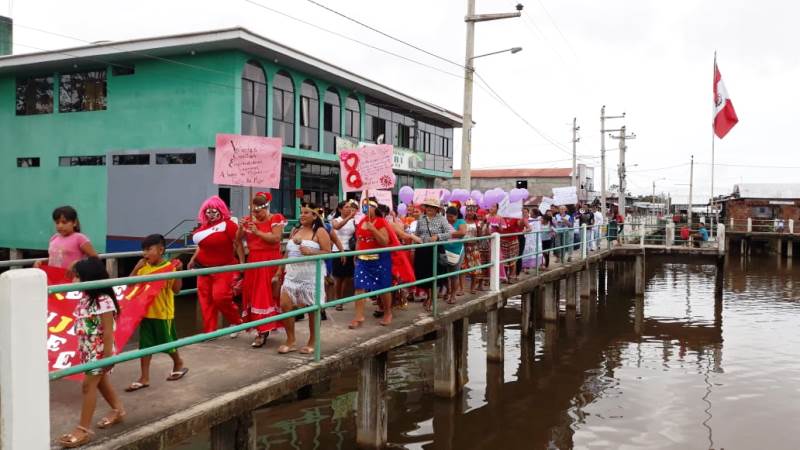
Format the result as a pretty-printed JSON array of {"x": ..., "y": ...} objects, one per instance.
[
  {"x": 469, "y": 72},
  {"x": 575, "y": 140},
  {"x": 603, "y": 131},
  {"x": 621, "y": 167},
  {"x": 691, "y": 185}
]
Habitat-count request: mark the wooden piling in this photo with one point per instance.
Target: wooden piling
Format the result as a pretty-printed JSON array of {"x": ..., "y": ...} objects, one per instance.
[
  {"x": 450, "y": 359},
  {"x": 494, "y": 335},
  {"x": 372, "y": 415}
]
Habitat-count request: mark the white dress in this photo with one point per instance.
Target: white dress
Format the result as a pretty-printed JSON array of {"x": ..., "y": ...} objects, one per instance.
[
  {"x": 299, "y": 282},
  {"x": 533, "y": 244}
]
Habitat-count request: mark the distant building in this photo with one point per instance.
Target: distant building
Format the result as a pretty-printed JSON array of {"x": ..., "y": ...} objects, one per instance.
[
  {"x": 539, "y": 182},
  {"x": 763, "y": 201},
  {"x": 125, "y": 131}
]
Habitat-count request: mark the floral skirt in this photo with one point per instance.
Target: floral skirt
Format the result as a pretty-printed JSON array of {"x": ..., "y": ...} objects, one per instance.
[{"x": 472, "y": 258}]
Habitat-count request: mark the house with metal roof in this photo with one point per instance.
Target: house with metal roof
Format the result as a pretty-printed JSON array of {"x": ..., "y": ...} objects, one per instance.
[
  {"x": 538, "y": 181},
  {"x": 125, "y": 131}
]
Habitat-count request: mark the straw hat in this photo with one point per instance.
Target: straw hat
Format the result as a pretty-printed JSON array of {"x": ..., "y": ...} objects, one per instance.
[{"x": 432, "y": 201}]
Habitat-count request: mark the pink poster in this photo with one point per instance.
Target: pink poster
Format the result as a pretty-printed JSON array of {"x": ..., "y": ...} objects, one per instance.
[
  {"x": 420, "y": 195},
  {"x": 383, "y": 197},
  {"x": 248, "y": 161},
  {"x": 367, "y": 168}
]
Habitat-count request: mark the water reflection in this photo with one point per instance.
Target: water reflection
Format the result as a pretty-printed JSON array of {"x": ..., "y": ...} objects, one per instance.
[{"x": 618, "y": 372}]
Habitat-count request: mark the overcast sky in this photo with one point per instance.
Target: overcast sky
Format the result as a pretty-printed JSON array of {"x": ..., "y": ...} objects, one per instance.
[{"x": 651, "y": 59}]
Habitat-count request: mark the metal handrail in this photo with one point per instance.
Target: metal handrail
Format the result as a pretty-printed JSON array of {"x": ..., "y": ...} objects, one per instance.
[{"x": 318, "y": 305}]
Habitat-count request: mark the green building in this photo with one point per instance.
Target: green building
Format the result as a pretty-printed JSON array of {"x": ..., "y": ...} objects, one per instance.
[{"x": 124, "y": 131}]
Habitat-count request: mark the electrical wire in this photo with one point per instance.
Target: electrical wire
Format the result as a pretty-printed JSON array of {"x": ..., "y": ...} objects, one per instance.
[{"x": 555, "y": 25}]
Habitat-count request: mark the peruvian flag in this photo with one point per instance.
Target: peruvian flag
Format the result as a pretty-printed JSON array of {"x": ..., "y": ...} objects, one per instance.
[{"x": 724, "y": 114}]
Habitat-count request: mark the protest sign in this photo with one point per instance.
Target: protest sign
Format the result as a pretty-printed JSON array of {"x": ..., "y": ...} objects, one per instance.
[
  {"x": 62, "y": 342},
  {"x": 565, "y": 196},
  {"x": 545, "y": 204},
  {"x": 507, "y": 208},
  {"x": 383, "y": 197},
  {"x": 420, "y": 195},
  {"x": 253, "y": 161},
  {"x": 367, "y": 168}
]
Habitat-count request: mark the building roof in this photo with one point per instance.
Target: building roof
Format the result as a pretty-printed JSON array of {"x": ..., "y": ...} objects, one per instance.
[
  {"x": 518, "y": 173},
  {"x": 216, "y": 40},
  {"x": 767, "y": 190}
]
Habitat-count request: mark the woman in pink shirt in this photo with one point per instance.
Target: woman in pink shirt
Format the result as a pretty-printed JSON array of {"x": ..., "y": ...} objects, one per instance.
[{"x": 68, "y": 245}]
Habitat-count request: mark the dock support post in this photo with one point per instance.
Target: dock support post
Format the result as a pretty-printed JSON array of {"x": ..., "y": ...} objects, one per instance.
[
  {"x": 601, "y": 278},
  {"x": 749, "y": 225},
  {"x": 238, "y": 433},
  {"x": 639, "y": 274},
  {"x": 526, "y": 321},
  {"x": 24, "y": 387},
  {"x": 670, "y": 235},
  {"x": 572, "y": 291},
  {"x": 372, "y": 415},
  {"x": 789, "y": 248},
  {"x": 494, "y": 271},
  {"x": 791, "y": 226},
  {"x": 550, "y": 302},
  {"x": 494, "y": 335},
  {"x": 450, "y": 359}
]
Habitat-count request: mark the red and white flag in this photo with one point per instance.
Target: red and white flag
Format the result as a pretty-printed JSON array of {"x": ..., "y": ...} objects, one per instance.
[{"x": 724, "y": 114}]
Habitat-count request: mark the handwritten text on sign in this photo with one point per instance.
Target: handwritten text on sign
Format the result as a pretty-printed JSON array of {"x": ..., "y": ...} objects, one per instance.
[
  {"x": 248, "y": 161},
  {"x": 367, "y": 168}
]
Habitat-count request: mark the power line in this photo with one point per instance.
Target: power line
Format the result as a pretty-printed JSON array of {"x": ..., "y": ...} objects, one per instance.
[
  {"x": 555, "y": 25},
  {"x": 345, "y": 16}
]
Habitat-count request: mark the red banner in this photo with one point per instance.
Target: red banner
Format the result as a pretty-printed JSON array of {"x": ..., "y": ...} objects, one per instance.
[{"x": 62, "y": 343}]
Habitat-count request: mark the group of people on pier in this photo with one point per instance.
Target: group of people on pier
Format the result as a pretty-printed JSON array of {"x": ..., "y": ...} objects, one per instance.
[{"x": 529, "y": 242}]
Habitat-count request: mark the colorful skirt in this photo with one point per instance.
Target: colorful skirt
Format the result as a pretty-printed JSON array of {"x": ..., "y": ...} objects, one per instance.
[
  {"x": 509, "y": 248},
  {"x": 472, "y": 258},
  {"x": 257, "y": 299},
  {"x": 485, "y": 251},
  {"x": 371, "y": 275}
]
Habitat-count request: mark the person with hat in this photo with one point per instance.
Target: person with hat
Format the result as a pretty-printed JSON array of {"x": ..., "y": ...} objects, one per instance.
[
  {"x": 431, "y": 227},
  {"x": 262, "y": 231}
]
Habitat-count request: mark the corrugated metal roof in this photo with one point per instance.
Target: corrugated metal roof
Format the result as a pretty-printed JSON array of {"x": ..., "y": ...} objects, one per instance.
[
  {"x": 519, "y": 173},
  {"x": 767, "y": 190}
]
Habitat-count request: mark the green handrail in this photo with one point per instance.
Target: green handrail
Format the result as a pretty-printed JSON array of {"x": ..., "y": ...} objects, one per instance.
[{"x": 316, "y": 308}]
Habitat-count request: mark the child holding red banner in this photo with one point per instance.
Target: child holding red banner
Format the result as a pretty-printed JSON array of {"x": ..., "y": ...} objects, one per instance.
[
  {"x": 68, "y": 245},
  {"x": 158, "y": 324},
  {"x": 95, "y": 319}
]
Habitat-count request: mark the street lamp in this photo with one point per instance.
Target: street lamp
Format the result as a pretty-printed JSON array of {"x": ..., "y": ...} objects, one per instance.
[
  {"x": 512, "y": 50},
  {"x": 469, "y": 72}
]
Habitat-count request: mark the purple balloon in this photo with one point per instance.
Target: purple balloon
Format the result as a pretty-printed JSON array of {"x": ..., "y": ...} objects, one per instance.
[
  {"x": 459, "y": 195},
  {"x": 516, "y": 195},
  {"x": 402, "y": 209},
  {"x": 476, "y": 196},
  {"x": 445, "y": 196},
  {"x": 463, "y": 210},
  {"x": 406, "y": 194}
]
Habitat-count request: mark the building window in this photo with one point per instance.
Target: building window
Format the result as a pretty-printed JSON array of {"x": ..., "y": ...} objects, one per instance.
[
  {"x": 121, "y": 71},
  {"x": 254, "y": 100},
  {"x": 82, "y": 91},
  {"x": 34, "y": 96},
  {"x": 320, "y": 184},
  {"x": 175, "y": 158},
  {"x": 309, "y": 117},
  {"x": 378, "y": 129},
  {"x": 27, "y": 162},
  {"x": 71, "y": 161},
  {"x": 283, "y": 199},
  {"x": 332, "y": 120},
  {"x": 131, "y": 160},
  {"x": 403, "y": 136},
  {"x": 352, "y": 118},
  {"x": 283, "y": 108}
]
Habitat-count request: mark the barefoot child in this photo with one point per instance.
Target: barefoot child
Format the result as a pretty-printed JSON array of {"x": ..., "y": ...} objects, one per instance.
[
  {"x": 68, "y": 245},
  {"x": 158, "y": 325},
  {"x": 95, "y": 318}
]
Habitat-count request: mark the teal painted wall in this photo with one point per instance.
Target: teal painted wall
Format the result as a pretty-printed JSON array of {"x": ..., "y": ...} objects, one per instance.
[{"x": 162, "y": 105}]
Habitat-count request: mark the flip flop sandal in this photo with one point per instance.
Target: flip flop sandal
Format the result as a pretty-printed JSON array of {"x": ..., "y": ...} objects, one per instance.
[
  {"x": 284, "y": 349},
  {"x": 177, "y": 374},
  {"x": 107, "y": 422},
  {"x": 70, "y": 441},
  {"x": 377, "y": 314},
  {"x": 306, "y": 350},
  {"x": 355, "y": 324},
  {"x": 135, "y": 386}
]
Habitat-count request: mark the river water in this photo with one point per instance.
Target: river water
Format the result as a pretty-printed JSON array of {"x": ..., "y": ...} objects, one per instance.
[{"x": 681, "y": 369}]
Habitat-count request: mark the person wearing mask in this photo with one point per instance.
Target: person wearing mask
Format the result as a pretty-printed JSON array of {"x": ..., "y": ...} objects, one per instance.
[{"x": 431, "y": 227}]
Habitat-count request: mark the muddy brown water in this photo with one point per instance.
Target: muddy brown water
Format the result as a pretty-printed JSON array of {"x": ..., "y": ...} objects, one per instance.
[{"x": 680, "y": 369}]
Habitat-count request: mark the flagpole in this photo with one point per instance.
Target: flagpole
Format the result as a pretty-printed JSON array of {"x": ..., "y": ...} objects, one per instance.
[{"x": 713, "y": 140}]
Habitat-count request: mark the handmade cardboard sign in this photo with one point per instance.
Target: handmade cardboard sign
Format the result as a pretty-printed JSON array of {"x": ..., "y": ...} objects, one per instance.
[
  {"x": 420, "y": 195},
  {"x": 565, "y": 196},
  {"x": 248, "y": 161},
  {"x": 509, "y": 209},
  {"x": 367, "y": 168},
  {"x": 545, "y": 204},
  {"x": 383, "y": 197}
]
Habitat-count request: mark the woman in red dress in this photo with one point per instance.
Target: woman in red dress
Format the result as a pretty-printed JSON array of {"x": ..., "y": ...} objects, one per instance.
[
  {"x": 216, "y": 246},
  {"x": 263, "y": 232}
]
